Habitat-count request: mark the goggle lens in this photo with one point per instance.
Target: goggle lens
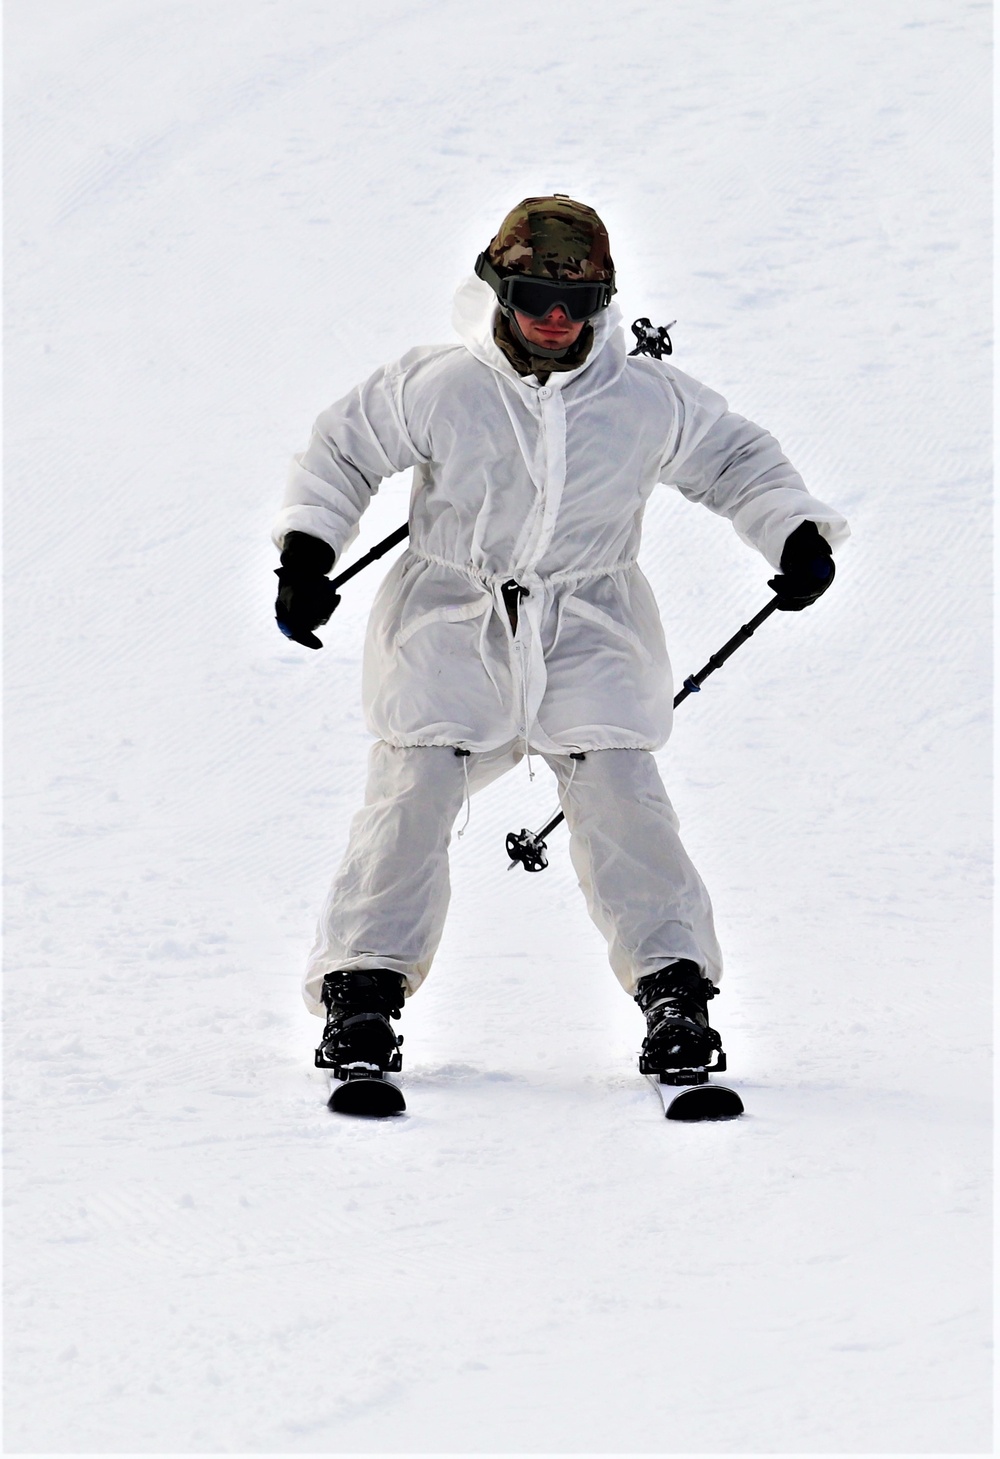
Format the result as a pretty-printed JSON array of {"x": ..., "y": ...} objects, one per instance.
[{"x": 537, "y": 297}]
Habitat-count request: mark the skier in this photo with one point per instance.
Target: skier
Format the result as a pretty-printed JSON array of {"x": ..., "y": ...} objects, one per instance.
[{"x": 517, "y": 621}]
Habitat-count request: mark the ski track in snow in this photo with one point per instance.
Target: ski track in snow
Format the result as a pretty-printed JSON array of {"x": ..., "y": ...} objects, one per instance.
[{"x": 219, "y": 219}]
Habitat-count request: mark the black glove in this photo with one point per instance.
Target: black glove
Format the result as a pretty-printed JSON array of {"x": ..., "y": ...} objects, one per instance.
[
  {"x": 806, "y": 568},
  {"x": 306, "y": 597}
]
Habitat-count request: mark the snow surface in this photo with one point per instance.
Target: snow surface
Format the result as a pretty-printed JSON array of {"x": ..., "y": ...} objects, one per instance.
[{"x": 222, "y": 215}]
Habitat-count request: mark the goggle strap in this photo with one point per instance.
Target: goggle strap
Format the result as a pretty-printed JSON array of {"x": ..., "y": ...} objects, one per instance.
[{"x": 489, "y": 275}]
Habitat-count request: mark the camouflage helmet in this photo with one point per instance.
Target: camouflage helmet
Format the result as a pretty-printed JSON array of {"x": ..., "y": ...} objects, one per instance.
[{"x": 553, "y": 238}]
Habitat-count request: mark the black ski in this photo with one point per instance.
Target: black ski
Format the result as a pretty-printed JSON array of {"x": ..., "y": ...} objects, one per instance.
[
  {"x": 366, "y": 1093},
  {"x": 696, "y": 1101}
]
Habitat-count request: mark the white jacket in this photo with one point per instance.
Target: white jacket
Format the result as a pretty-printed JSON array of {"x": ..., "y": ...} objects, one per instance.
[{"x": 545, "y": 485}]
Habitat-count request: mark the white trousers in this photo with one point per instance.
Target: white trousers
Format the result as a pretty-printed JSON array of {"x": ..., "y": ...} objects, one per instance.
[{"x": 387, "y": 905}]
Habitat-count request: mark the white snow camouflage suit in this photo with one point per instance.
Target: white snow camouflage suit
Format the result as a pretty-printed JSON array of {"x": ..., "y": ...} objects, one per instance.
[{"x": 544, "y": 485}]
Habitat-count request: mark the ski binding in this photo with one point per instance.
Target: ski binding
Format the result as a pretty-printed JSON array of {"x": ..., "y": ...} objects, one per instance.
[
  {"x": 363, "y": 1090},
  {"x": 687, "y": 1094}
]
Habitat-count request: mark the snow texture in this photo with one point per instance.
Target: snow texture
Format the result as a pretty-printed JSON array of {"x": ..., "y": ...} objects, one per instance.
[{"x": 220, "y": 217}]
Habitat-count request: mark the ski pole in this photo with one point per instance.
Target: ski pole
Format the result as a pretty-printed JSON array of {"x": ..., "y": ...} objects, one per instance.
[
  {"x": 694, "y": 681},
  {"x": 379, "y": 550},
  {"x": 527, "y": 848}
]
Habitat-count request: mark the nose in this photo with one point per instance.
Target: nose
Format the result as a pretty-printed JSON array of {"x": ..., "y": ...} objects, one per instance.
[{"x": 557, "y": 315}]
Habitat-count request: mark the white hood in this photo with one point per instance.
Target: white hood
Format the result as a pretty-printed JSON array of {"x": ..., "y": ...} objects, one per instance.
[{"x": 473, "y": 315}]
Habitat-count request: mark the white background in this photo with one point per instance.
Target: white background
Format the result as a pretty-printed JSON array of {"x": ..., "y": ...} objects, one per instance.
[{"x": 223, "y": 214}]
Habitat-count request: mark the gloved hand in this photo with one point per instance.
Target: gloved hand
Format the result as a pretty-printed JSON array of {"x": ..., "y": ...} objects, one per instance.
[
  {"x": 306, "y": 597},
  {"x": 807, "y": 568}
]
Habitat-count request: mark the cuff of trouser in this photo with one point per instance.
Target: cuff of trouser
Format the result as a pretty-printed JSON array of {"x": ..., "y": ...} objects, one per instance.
[
  {"x": 630, "y": 977},
  {"x": 312, "y": 987}
]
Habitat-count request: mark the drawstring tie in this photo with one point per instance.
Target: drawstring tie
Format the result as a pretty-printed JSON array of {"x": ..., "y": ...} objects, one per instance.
[
  {"x": 572, "y": 774},
  {"x": 524, "y": 716},
  {"x": 464, "y": 757}
]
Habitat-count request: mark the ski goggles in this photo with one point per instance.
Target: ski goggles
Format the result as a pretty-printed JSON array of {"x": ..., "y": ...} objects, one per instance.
[{"x": 538, "y": 297}]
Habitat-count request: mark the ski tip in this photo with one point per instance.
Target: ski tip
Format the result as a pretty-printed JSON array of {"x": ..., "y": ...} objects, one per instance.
[
  {"x": 373, "y": 1099},
  {"x": 705, "y": 1102}
]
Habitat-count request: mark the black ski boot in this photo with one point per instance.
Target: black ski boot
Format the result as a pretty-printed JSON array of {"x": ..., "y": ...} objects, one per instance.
[
  {"x": 679, "y": 1042},
  {"x": 358, "y": 1036}
]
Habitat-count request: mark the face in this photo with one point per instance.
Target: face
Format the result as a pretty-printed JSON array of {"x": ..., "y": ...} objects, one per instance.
[{"x": 555, "y": 332}]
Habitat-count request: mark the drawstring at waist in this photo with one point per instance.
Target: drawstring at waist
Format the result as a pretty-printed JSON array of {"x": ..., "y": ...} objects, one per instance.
[{"x": 489, "y": 580}]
